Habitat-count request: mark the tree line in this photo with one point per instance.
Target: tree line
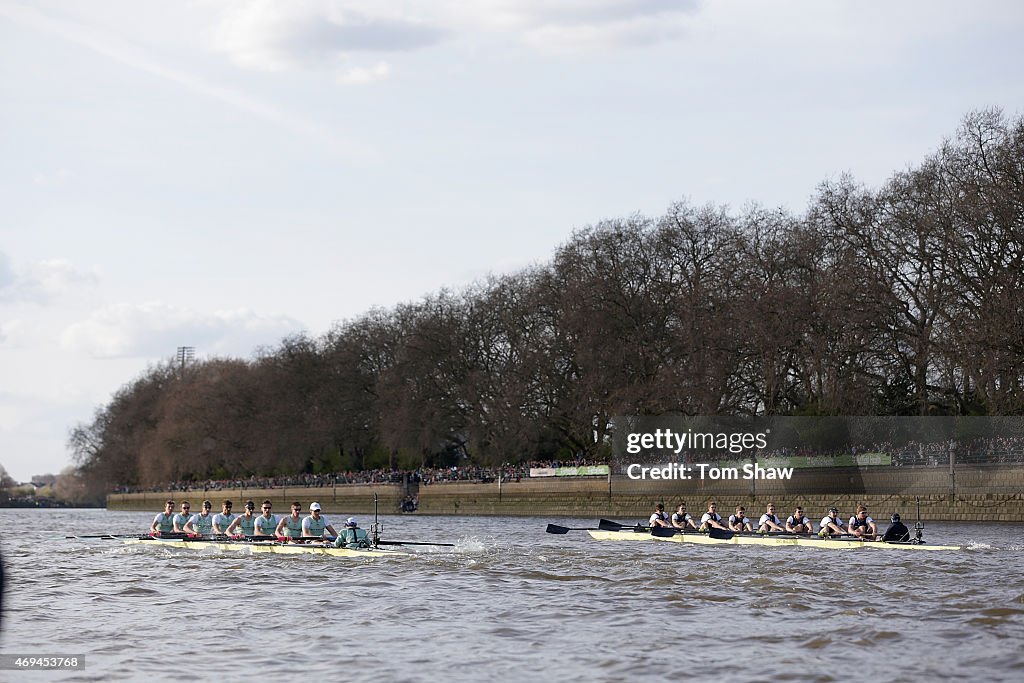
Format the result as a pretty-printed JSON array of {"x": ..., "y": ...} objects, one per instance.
[{"x": 900, "y": 300}]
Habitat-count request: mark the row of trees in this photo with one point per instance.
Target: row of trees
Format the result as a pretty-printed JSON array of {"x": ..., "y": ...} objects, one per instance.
[{"x": 902, "y": 300}]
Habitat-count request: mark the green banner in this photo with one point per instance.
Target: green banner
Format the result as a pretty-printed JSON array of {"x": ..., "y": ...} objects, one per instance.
[{"x": 582, "y": 471}]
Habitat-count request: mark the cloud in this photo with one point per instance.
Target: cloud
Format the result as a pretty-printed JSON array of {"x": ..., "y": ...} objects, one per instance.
[
  {"x": 43, "y": 282},
  {"x": 280, "y": 36},
  {"x": 277, "y": 36},
  {"x": 360, "y": 76},
  {"x": 156, "y": 330}
]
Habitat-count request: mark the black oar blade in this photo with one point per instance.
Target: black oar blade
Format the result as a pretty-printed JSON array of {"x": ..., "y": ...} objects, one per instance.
[
  {"x": 720, "y": 534},
  {"x": 663, "y": 532},
  {"x": 555, "y": 529},
  {"x": 608, "y": 525}
]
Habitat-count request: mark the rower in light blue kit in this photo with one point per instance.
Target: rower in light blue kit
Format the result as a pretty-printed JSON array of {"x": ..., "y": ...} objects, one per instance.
[
  {"x": 163, "y": 523},
  {"x": 266, "y": 523},
  {"x": 245, "y": 523},
  {"x": 315, "y": 525},
  {"x": 223, "y": 519},
  {"x": 352, "y": 536},
  {"x": 291, "y": 526},
  {"x": 181, "y": 519},
  {"x": 201, "y": 522}
]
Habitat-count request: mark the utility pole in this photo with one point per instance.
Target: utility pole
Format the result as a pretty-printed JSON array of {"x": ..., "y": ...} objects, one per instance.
[{"x": 185, "y": 355}]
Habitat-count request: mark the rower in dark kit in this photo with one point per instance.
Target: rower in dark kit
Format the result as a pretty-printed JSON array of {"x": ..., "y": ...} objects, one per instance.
[
  {"x": 769, "y": 521},
  {"x": 831, "y": 524},
  {"x": 862, "y": 526},
  {"x": 659, "y": 517},
  {"x": 797, "y": 523},
  {"x": 740, "y": 521},
  {"x": 897, "y": 531},
  {"x": 711, "y": 519},
  {"x": 681, "y": 519}
]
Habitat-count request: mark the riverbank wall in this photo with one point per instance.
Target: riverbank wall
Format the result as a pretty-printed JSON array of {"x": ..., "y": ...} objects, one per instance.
[{"x": 982, "y": 493}]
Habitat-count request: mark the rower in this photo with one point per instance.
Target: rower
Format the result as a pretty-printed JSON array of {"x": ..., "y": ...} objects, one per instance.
[
  {"x": 266, "y": 523},
  {"x": 290, "y": 526},
  {"x": 352, "y": 536},
  {"x": 181, "y": 519},
  {"x": 831, "y": 524},
  {"x": 659, "y": 517},
  {"x": 897, "y": 531},
  {"x": 201, "y": 523},
  {"x": 862, "y": 526},
  {"x": 223, "y": 519},
  {"x": 163, "y": 523},
  {"x": 769, "y": 521},
  {"x": 797, "y": 523},
  {"x": 711, "y": 518},
  {"x": 739, "y": 521},
  {"x": 245, "y": 522},
  {"x": 681, "y": 519},
  {"x": 315, "y": 525}
]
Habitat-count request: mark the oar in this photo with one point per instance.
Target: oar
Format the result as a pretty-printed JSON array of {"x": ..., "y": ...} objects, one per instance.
[
  {"x": 608, "y": 525},
  {"x": 109, "y": 536},
  {"x": 556, "y": 529}
]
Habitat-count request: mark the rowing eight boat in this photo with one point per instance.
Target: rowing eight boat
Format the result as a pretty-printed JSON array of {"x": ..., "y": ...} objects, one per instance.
[
  {"x": 266, "y": 547},
  {"x": 627, "y": 534}
]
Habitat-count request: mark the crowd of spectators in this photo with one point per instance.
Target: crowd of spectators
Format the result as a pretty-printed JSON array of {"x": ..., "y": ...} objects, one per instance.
[
  {"x": 420, "y": 476},
  {"x": 993, "y": 450}
]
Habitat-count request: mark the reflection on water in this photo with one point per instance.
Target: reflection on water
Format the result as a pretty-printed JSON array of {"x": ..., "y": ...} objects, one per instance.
[{"x": 512, "y": 603}]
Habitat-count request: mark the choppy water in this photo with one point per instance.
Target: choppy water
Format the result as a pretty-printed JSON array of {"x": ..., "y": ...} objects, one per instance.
[{"x": 511, "y": 603}]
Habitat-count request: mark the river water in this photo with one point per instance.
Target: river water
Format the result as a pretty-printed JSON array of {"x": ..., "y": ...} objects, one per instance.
[{"x": 510, "y": 603}]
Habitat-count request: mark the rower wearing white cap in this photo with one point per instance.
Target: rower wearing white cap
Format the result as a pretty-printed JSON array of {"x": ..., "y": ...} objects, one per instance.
[
  {"x": 352, "y": 536},
  {"x": 314, "y": 525}
]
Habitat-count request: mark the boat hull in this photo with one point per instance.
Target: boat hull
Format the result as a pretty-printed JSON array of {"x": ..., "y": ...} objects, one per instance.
[
  {"x": 812, "y": 542},
  {"x": 273, "y": 547}
]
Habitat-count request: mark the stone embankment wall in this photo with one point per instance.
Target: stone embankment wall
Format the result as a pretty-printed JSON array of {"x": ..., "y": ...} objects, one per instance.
[{"x": 989, "y": 493}]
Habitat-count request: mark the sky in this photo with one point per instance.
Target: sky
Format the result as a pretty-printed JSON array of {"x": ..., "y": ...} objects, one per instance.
[{"x": 223, "y": 174}]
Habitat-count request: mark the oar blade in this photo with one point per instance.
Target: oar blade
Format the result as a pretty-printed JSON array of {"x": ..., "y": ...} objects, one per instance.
[
  {"x": 720, "y": 534},
  {"x": 663, "y": 532},
  {"x": 608, "y": 525},
  {"x": 555, "y": 529}
]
